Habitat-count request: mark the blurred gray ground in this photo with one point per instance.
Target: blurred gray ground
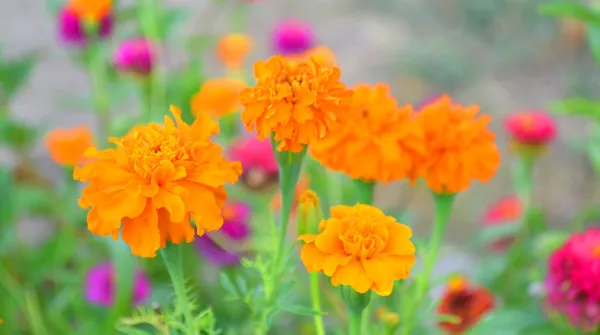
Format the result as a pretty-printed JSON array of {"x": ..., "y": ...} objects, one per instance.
[{"x": 370, "y": 39}]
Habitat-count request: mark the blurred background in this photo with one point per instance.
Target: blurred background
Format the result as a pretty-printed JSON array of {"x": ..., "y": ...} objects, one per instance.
[{"x": 501, "y": 55}]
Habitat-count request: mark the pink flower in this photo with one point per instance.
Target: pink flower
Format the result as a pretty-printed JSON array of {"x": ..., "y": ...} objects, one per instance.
[
  {"x": 506, "y": 211},
  {"x": 135, "y": 55},
  {"x": 236, "y": 229},
  {"x": 72, "y": 31},
  {"x": 258, "y": 161},
  {"x": 531, "y": 128},
  {"x": 572, "y": 283},
  {"x": 100, "y": 286},
  {"x": 292, "y": 37}
]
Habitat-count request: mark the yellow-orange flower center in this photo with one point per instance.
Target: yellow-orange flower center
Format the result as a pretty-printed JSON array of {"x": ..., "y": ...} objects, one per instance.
[
  {"x": 457, "y": 283},
  {"x": 93, "y": 10},
  {"x": 150, "y": 148},
  {"x": 363, "y": 239}
]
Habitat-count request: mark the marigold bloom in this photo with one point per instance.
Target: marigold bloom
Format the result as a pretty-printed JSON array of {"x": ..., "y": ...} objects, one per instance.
[
  {"x": 531, "y": 128},
  {"x": 233, "y": 49},
  {"x": 154, "y": 181},
  {"x": 258, "y": 161},
  {"x": 572, "y": 283},
  {"x": 100, "y": 286},
  {"x": 320, "y": 54},
  {"x": 66, "y": 146},
  {"x": 465, "y": 301},
  {"x": 71, "y": 27},
  {"x": 92, "y": 10},
  {"x": 360, "y": 247},
  {"x": 219, "y": 97},
  {"x": 373, "y": 140},
  {"x": 507, "y": 210},
  {"x": 460, "y": 147},
  {"x": 297, "y": 101},
  {"x": 292, "y": 37},
  {"x": 136, "y": 55},
  {"x": 236, "y": 229}
]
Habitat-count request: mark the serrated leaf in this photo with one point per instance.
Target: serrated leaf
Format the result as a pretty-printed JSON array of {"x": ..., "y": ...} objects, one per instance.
[
  {"x": 300, "y": 310},
  {"x": 14, "y": 73},
  {"x": 571, "y": 9}
]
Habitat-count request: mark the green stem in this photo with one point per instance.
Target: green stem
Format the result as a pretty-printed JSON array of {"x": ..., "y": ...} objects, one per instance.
[
  {"x": 355, "y": 322},
  {"x": 443, "y": 209},
  {"x": 34, "y": 313},
  {"x": 124, "y": 265},
  {"x": 101, "y": 100},
  {"x": 364, "y": 191},
  {"x": 316, "y": 303},
  {"x": 172, "y": 256}
]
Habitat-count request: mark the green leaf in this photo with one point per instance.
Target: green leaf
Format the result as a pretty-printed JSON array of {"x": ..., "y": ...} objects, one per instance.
[
  {"x": 300, "y": 310},
  {"x": 571, "y": 9},
  {"x": 548, "y": 241},
  {"x": 15, "y": 134},
  {"x": 33, "y": 200},
  {"x": 519, "y": 319},
  {"x": 593, "y": 151},
  {"x": 14, "y": 73},
  {"x": 453, "y": 319},
  {"x": 497, "y": 232},
  {"x": 227, "y": 284},
  {"x": 578, "y": 107}
]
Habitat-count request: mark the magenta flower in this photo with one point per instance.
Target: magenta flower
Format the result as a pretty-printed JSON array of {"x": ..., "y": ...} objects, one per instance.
[
  {"x": 72, "y": 30},
  {"x": 100, "y": 286},
  {"x": 236, "y": 228},
  {"x": 258, "y": 162},
  {"x": 572, "y": 284},
  {"x": 136, "y": 55},
  {"x": 292, "y": 37},
  {"x": 531, "y": 127}
]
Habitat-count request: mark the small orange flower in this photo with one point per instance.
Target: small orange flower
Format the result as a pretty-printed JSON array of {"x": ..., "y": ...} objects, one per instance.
[
  {"x": 66, "y": 146},
  {"x": 460, "y": 147},
  {"x": 154, "y": 181},
  {"x": 467, "y": 302},
  {"x": 297, "y": 101},
  {"x": 219, "y": 97},
  {"x": 92, "y": 10},
  {"x": 233, "y": 49},
  {"x": 373, "y": 140},
  {"x": 301, "y": 186},
  {"x": 321, "y": 54},
  {"x": 361, "y": 247}
]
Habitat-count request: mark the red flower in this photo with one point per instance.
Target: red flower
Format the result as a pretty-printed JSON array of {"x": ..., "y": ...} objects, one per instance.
[
  {"x": 506, "y": 211},
  {"x": 531, "y": 128},
  {"x": 467, "y": 302}
]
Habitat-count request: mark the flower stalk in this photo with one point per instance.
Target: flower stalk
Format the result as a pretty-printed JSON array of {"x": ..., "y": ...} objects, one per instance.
[
  {"x": 356, "y": 304},
  {"x": 364, "y": 191},
  {"x": 98, "y": 71},
  {"x": 172, "y": 256}
]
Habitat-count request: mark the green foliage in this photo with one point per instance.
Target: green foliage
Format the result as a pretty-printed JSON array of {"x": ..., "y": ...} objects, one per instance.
[
  {"x": 571, "y": 9},
  {"x": 14, "y": 74}
]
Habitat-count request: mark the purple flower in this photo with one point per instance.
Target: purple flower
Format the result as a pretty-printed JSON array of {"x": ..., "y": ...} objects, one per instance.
[
  {"x": 236, "y": 228},
  {"x": 72, "y": 30},
  {"x": 292, "y": 37},
  {"x": 100, "y": 286},
  {"x": 135, "y": 55}
]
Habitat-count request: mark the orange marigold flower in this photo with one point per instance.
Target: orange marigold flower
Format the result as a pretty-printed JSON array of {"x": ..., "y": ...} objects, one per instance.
[
  {"x": 66, "y": 146},
  {"x": 233, "y": 49},
  {"x": 373, "y": 140},
  {"x": 297, "y": 101},
  {"x": 460, "y": 147},
  {"x": 465, "y": 301},
  {"x": 219, "y": 97},
  {"x": 321, "y": 54},
  {"x": 154, "y": 181},
  {"x": 361, "y": 247},
  {"x": 93, "y": 10}
]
